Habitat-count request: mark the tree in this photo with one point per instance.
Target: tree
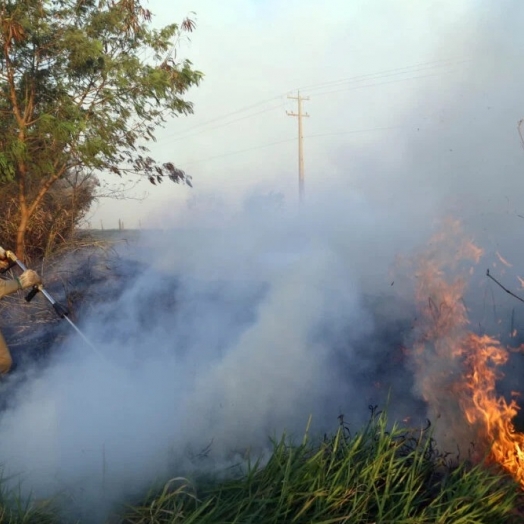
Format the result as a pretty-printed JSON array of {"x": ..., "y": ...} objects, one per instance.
[
  {"x": 55, "y": 219},
  {"x": 84, "y": 84}
]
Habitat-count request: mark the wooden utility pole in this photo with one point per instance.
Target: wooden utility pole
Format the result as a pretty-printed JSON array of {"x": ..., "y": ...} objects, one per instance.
[{"x": 299, "y": 114}]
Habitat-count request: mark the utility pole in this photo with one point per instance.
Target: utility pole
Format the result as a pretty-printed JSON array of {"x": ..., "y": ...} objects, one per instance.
[{"x": 299, "y": 114}]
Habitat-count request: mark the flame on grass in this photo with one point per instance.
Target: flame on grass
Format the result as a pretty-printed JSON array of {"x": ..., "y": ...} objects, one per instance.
[{"x": 456, "y": 370}]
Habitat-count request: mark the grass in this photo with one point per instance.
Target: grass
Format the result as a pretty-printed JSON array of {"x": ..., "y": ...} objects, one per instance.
[
  {"x": 375, "y": 476},
  {"x": 14, "y": 509}
]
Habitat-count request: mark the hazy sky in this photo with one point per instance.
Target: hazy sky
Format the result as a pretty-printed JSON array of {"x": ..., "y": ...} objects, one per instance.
[{"x": 412, "y": 104}]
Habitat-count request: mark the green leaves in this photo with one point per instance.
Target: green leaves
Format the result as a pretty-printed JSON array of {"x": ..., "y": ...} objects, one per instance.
[
  {"x": 76, "y": 77},
  {"x": 380, "y": 474},
  {"x": 7, "y": 172},
  {"x": 84, "y": 84}
]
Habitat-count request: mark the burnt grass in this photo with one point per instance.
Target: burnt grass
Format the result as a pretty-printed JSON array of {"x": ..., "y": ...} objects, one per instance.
[
  {"x": 85, "y": 279},
  {"x": 97, "y": 270}
]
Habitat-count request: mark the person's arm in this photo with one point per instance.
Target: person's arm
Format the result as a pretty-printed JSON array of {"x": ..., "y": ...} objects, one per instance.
[
  {"x": 9, "y": 286},
  {"x": 27, "y": 279}
]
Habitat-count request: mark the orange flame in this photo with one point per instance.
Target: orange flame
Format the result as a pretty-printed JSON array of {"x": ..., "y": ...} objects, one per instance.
[
  {"x": 457, "y": 371},
  {"x": 491, "y": 413}
]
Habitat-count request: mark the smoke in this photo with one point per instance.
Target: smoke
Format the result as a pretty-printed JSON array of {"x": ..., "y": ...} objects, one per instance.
[
  {"x": 218, "y": 339},
  {"x": 213, "y": 339},
  {"x": 209, "y": 342}
]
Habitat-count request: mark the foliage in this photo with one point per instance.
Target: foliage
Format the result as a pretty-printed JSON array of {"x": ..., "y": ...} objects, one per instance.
[
  {"x": 14, "y": 509},
  {"x": 83, "y": 86},
  {"x": 55, "y": 219},
  {"x": 376, "y": 475}
]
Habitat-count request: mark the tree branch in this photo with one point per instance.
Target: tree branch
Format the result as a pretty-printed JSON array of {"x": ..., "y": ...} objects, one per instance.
[{"x": 488, "y": 274}]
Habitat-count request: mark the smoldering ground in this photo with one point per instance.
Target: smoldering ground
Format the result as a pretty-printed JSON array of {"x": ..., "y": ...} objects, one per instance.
[
  {"x": 209, "y": 342},
  {"x": 217, "y": 338}
]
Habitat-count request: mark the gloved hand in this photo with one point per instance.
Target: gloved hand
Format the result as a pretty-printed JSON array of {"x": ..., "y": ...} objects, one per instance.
[
  {"x": 4, "y": 261},
  {"x": 29, "y": 278}
]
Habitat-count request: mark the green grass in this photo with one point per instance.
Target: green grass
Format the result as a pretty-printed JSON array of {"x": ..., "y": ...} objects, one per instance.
[
  {"x": 377, "y": 475},
  {"x": 14, "y": 509}
]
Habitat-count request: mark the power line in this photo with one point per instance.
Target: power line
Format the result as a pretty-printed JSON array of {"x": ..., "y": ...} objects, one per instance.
[
  {"x": 227, "y": 115},
  {"x": 176, "y": 139},
  {"x": 232, "y": 153},
  {"x": 354, "y": 132},
  {"x": 313, "y": 87},
  {"x": 387, "y": 73},
  {"x": 263, "y": 146},
  {"x": 375, "y": 84}
]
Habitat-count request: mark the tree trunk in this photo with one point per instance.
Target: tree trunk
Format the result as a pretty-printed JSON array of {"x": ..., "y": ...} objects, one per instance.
[
  {"x": 20, "y": 234},
  {"x": 28, "y": 208}
]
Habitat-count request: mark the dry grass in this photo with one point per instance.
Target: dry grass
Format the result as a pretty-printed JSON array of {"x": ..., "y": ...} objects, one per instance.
[{"x": 55, "y": 220}]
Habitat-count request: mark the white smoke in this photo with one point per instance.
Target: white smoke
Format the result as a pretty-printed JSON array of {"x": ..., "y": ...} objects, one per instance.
[
  {"x": 225, "y": 337},
  {"x": 228, "y": 335}
]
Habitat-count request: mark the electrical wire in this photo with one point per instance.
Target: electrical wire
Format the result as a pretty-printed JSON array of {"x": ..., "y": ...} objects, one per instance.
[
  {"x": 263, "y": 146},
  {"x": 232, "y": 153},
  {"x": 323, "y": 93},
  {"x": 176, "y": 139},
  {"x": 387, "y": 73},
  {"x": 227, "y": 115},
  {"x": 202, "y": 127},
  {"x": 336, "y": 133}
]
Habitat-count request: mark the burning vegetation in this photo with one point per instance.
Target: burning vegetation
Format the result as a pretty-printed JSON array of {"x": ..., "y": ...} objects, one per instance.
[
  {"x": 465, "y": 466},
  {"x": 457, "y": 371}
]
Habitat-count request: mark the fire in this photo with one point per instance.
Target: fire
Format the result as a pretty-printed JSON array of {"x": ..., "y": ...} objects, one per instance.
[
  {"x": 456, "y": 370},
  {"x": 484, "y": 408}
]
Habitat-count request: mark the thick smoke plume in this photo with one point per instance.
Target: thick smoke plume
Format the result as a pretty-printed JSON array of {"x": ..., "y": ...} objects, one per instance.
[{"x": 212, "y": 339}]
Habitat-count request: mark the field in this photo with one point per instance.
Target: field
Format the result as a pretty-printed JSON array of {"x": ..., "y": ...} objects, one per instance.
[
  {"x": 379, "y": 474},
  {"x": 382, "y": 472}
]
